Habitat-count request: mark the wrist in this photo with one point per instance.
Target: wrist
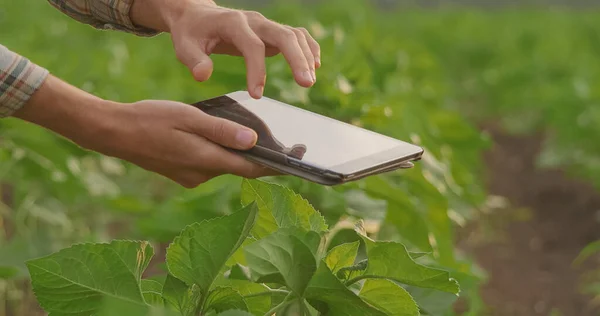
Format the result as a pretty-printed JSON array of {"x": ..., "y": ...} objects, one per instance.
[{"x": 160, "y": 15}]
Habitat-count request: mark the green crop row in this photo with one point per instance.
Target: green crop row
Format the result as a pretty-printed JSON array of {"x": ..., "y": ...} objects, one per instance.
[{"x": 413, "y": 74}]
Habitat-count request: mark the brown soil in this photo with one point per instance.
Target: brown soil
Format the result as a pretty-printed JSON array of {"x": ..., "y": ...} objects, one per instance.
[{"x": 529, "y": 259}]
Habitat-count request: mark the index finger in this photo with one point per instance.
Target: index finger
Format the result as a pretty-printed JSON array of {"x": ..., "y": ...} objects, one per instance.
[
  {"x": 287, "y": 42},
  {"x": 237, "y": 30}
]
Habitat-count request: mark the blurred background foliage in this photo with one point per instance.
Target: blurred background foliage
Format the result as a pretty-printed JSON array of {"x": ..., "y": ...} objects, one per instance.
[{"x": 427, "y": 75}]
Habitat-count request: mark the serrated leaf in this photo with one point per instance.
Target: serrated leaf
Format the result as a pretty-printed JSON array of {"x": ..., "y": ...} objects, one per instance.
[
  {"x": 330, "y": 297},
  {"x": 238, "y": 255},
  {"x": 151, "y": 290},
  {"x": 75, "y": 280},
  {"x": 257, "y": 304},
  {"x": 432, "y": 302},
  {"x": 287, "y": 256},
  {"x": 342, "y": 256},
  {"x": 280, "y": 207},
  {"x": 182, "y": 297},
  {"x": 417, "y": 255},
  {"x": 391, "y": 260},
  {"x": 389, "y": 298},
  {"x": 198, "y": 254},
  {"x": 224, "y": 298},
  {"x": 353, "y": 270}
]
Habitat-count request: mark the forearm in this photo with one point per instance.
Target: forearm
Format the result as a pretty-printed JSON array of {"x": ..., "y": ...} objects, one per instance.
[{"x": 70, "y": 112}]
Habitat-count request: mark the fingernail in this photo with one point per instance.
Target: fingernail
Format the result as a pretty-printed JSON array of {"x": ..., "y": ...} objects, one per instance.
[
  {"x": 319, "y": 61},
  {"x": 259, "y": 90},
  {"x": 314, "y": 76},
  {"x": 245, "y": 138},
  {"x": 307, "y": 76}
]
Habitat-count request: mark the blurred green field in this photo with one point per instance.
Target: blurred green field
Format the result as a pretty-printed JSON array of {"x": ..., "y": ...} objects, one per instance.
[{"x": 428, "y": 76}]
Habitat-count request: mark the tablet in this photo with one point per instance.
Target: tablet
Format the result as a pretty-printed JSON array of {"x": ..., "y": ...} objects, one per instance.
[{"x": 309, "y": 145}]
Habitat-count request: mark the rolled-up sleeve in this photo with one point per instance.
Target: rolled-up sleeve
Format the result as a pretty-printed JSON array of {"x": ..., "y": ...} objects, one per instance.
[
  {"x": 103, "y": 14},
  {"x": 19, "y": 79}
]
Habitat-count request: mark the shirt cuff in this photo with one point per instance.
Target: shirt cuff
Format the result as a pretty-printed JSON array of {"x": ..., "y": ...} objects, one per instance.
[
  {"x": 103, "y": 14},
  {"x": 19, "y": 79},
  {"x": 116, "y": 15}
]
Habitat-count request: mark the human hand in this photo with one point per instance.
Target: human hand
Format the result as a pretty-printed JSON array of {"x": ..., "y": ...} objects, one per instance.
[
  {"x": 200, "y": 28},
  {"x": 173, "y": 139},
  {"x": 180, "y": 142}
]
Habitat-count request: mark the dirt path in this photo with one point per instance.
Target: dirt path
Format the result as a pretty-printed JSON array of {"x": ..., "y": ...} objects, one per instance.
[{"x": 529, "y": 264}]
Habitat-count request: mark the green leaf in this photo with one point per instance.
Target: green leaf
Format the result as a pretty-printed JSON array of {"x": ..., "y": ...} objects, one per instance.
[
  {"x": 329, "y": 296},
  {"x": 238, "y": 256},
  {"x": 589, "y": 250},
  {"x": 432, "y": 302},
  {"x": 298, "y": 307},
  {"x": 293, "y": 307},
  {"x": 198, "y": 254},
  {"x": 235, "y": 313},
  {"x": 389, "y": 297},
  {"x": 287, "y": 257},
  {"x": 411, "y": 225},
  {"x": 401, "y": 212},
  {"x": 239, "y": 272},
  {"x": 280, "y": 207},
  {"x": 113, "y": 306},
  {"x": 353, "y": 270},
  {"x": 343, "y": 236},
  {"x": 183, "y": 298},
  {"x": 77, "y": 279},
  {"x": 257, "y": 303},
  {"x": 342, "y": 256},
  {"x": 152, "y": 290},
  {"x": 417, "y": 255},
  {"x": 225, "y": 298},
  {"x": 391, "y": 260}
]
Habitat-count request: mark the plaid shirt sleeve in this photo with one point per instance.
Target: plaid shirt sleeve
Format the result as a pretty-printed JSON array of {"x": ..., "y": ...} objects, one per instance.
[
  {"x": 103, "y": 14},
  {"x": 19, "y": 79}
]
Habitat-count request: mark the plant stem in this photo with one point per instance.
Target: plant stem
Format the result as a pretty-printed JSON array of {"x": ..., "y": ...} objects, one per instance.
[
  {"x": 270, "y": 292},
  {"x": 305, "y": 307},
  {"x": 200, "y": 308},
  {"x": 286, "y": 301}
]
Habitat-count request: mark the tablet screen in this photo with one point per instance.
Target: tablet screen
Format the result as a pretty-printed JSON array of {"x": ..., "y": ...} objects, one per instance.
[{"x": 328, "y": 142}]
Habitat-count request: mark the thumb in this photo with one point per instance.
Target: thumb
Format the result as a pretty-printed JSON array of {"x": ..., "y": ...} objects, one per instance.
[
  {"x": 203, "y": 68},
  {"x": 192, "y": 54},
  {"x": 225, "y": 132}
]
